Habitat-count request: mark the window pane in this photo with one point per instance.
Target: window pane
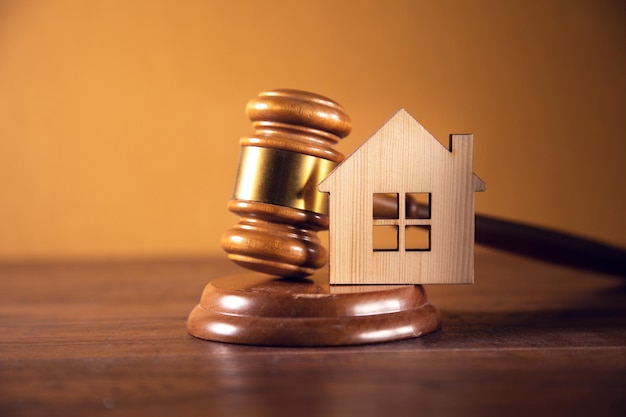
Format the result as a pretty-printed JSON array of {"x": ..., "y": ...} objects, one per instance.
[
  {"x": 418, "y": 205},
  {"x": 417, "y": 238},
  {"x": 385, "y": 238},
  {"x": 385, "y": 206}
]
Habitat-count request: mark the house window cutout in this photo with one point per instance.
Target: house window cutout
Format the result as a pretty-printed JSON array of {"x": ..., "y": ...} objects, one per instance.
[
  {"x": 385, "y": 206},
  {"x": 418, "y": 205},
  {"x": 401, "y": 222},
  {"x": 417, "y": 238},
  {"x": 385, "y": 238}
]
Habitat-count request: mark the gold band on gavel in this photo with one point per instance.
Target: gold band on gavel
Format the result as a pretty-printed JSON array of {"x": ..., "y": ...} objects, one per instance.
[{"x": 283, "y": 178}]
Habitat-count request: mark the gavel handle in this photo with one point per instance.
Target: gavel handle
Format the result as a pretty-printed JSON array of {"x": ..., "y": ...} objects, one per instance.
[
  {"x": 550, "y": 246},
  {"x": 532, "y": 241}
]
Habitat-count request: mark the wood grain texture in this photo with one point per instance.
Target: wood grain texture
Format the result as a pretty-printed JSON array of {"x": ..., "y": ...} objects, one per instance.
[
  {"x": 95, "y": 339},
  {"x": 403, "y": 158}
]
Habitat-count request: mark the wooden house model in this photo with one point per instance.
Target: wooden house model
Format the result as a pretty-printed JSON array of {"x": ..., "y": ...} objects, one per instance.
[{"x": 402, "y": 208}]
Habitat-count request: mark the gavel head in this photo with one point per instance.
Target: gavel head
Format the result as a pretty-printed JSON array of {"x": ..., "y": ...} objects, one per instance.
[{"x": 276, "y": 195}]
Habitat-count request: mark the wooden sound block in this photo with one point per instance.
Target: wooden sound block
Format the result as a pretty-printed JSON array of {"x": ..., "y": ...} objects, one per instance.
[{"x": 257, "y": 309}]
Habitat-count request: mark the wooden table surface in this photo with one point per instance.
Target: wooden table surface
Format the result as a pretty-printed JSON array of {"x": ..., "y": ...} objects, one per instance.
[{"x": 109, "y": 338}]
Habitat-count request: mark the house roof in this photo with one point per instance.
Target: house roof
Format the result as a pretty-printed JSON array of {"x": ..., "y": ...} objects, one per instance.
[{"x": 401, "y": 124}]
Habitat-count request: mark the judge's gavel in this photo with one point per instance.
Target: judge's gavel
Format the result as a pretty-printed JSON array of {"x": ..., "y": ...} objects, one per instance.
[
  {"x": 275, "y": 194},
  {"x": 281, "y": 209}
]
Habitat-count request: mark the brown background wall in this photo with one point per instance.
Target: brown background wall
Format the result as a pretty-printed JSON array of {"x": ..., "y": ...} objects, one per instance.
[{"x": 119, "y": 120}]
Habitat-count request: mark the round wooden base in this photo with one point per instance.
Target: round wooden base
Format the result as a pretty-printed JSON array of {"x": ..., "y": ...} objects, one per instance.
[{"x": 257, "y": 309}]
